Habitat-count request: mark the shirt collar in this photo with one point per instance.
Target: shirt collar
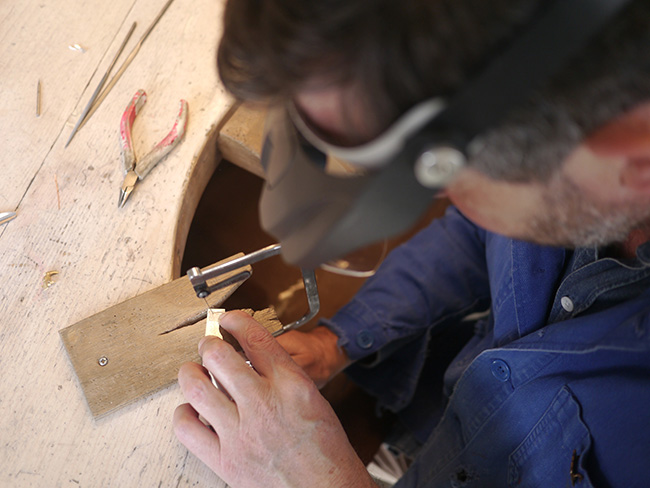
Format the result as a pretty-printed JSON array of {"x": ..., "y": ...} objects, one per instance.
[{"x": 643, "y": 253}]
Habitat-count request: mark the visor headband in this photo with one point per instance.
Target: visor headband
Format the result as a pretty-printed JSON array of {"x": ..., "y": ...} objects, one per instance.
[
  {"x": 537, "y": 55},
  {"x": 381, "y": 150}
]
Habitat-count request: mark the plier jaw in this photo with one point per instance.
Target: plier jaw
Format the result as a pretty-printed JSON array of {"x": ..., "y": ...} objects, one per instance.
[
  {"x": 128, "y": 185},
  {"x": 137, "y": 170}
]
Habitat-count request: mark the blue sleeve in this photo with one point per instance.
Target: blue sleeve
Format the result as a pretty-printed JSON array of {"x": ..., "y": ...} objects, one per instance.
[{"x": 431, "y": 281}]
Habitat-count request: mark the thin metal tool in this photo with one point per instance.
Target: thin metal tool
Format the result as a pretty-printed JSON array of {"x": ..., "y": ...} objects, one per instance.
[
  {"x": 127, "y": 61},
  {"x": 199, "y": 280},
  {"x": 38, "y": 98},
  {"x": 84, "y": 114},
  {"x": 6, "y": 217}
]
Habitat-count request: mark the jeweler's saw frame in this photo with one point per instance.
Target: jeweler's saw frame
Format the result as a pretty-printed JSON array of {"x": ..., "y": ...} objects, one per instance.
[{"x": 199, "y": 280}]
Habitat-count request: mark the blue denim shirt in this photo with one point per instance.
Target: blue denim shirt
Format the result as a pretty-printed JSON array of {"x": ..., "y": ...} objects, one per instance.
[{"x": 553, "y": 388}]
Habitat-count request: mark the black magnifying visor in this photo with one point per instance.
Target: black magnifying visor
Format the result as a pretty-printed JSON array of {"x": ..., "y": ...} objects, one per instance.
[{"x": 318, "y": 217}]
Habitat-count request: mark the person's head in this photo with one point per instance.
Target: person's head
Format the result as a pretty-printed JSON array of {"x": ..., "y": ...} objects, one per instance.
[{"x": 570, "y": 167}]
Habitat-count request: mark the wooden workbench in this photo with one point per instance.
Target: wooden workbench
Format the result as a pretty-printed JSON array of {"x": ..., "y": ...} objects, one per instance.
[{"x": 68, "y": 222}]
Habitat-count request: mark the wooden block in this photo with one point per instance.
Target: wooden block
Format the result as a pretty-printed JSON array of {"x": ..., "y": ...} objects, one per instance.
[
  {"x": 136, "y": 347},
  {"x": 267, "y": 317},
  {"x": 240, "y": 137}
]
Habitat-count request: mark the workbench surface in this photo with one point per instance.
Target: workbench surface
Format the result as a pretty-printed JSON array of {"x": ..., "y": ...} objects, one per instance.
[{"x": 68, "y": 221}]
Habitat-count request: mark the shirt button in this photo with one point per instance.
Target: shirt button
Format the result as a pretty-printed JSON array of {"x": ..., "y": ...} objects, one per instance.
[
  {"x": 500, "y": 370},
  {"x": 365, "y": 339},
  {"x": 567, "y": 304}
]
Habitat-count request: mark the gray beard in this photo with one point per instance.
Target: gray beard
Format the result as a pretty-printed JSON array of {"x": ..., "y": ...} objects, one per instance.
[{"x": 570, "y": 220}]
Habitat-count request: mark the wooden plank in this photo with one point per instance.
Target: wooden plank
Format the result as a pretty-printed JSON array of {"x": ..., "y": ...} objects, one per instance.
[
  {"x": 135, "y": 348},
  {"x": 34, "y": 42},
  {"x": 240, "y": 138},
  {"x": 242, "y": 134},
  {"x": 267, "y": 317},
  {"x": 206, "y": 160},
  {"x": 68, "y": 221}
]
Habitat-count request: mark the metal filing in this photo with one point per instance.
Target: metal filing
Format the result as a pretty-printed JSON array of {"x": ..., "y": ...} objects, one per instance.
[
  {"x": 93, "y": 97},
  {"x": 127, "y": 61}
]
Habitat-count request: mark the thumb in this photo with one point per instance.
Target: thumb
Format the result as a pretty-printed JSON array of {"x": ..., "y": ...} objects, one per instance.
[{"x": 257, "y": 343}]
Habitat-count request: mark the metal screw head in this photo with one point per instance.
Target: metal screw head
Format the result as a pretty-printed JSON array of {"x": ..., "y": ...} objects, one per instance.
[
  {"x": 438, "y": 165},
  {"x": 103, "y": 361}
]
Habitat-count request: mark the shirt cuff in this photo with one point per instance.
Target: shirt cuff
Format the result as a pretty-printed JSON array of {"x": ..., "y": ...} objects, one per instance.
[{"x": 357, "y": 336}]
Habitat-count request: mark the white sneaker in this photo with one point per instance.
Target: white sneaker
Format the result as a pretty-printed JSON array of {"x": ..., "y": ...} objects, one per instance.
[{"x": 387, "y": 466}]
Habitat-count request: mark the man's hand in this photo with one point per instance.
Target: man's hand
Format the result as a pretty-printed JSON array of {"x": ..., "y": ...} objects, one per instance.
[
  {"x": 276, "y": 431},
  {"x": 316, "y": 352}
]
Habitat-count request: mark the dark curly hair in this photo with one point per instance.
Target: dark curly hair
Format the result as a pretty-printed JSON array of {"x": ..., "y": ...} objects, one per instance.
[{"x": 402, "y": 52}]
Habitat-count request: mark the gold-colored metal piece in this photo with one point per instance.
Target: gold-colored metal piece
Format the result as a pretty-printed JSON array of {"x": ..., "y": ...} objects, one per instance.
[
  {"x": 573, "y": 473},
  {"x": 48, "y": 279}
]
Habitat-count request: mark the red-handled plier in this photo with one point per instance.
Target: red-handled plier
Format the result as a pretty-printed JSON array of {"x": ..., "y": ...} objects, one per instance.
[{"x": 137, "y": 171}]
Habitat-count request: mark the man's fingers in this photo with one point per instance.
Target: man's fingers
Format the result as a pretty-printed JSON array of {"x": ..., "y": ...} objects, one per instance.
[
  {"x": 196, "y": 436},
  {"x": 213, "y": 404},
  {"x": 229, "y": 368},
  {"x": 263, "y": 351}
]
